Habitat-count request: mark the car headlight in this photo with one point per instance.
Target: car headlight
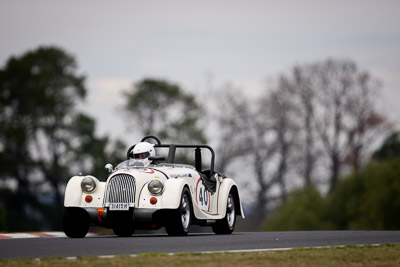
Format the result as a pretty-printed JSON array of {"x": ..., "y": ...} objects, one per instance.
[
  {"x": 88, "y": 184},
  {"x": 155, "y": 187}
]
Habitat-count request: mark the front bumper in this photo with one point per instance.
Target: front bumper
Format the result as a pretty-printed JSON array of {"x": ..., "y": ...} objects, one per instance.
[{"x": 141, "y": 217}]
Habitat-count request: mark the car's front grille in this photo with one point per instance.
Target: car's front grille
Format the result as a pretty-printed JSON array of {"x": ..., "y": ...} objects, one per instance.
[{"x": 121, "y": 189}]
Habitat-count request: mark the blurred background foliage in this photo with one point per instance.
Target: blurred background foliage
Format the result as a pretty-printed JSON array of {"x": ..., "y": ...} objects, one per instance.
[
  {"x": 311, "y": 152},
  {"x": 368, "y": 199},
  {"x": 44, "y": 139}
]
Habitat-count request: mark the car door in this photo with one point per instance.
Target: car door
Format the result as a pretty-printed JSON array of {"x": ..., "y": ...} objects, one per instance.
[{"x": 205, "y": 199}]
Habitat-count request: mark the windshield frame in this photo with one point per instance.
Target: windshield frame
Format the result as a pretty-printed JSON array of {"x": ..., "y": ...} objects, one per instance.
[{"x": 133, "y": 163}]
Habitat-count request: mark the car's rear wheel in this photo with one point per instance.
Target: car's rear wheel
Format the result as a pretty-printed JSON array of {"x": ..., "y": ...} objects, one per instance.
[
  {"x": 226, "y": 225},
  {"x": 181, "y": 218},
  {"x": 75, "y": 222},
  {"x": 124, "y": 229}
]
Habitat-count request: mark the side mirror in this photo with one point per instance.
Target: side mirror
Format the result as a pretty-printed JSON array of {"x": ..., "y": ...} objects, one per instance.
[{"x": 109, "y": 167}]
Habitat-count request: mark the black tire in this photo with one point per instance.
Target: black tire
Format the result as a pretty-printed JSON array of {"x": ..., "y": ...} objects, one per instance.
[
  {"x": 124, "y": 229},
  {"x": 75, "y": 222},
  {"x": 181, "y": 218},
  {"x": 226, "y": 225}
]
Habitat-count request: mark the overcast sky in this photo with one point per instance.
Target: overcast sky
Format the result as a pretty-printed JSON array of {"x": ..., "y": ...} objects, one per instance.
[{"x": 118, "y": 42}]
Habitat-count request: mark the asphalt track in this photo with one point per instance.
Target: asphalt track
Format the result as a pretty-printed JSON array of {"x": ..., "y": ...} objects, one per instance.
[{"x": 238, "y": 241}]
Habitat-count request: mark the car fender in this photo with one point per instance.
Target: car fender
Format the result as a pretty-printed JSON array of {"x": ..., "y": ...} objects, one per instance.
[
  {"x": 75, "y": 197},
  {"x": 169, "y": 199},
  {"x": 226, "y": 186}
]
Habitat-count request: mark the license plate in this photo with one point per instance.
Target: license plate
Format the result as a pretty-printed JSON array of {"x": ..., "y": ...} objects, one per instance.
[{"x": 119, "y": 206}]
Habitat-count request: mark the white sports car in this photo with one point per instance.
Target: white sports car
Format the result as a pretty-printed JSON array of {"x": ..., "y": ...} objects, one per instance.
[{"x": 150, "y": 194}]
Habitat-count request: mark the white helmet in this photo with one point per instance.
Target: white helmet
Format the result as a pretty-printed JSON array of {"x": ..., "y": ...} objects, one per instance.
[{"x": 143, "y": 150}]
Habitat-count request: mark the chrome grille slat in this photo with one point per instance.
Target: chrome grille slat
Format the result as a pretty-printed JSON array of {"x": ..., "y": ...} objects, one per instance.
[{"x": 115, "y": 191}]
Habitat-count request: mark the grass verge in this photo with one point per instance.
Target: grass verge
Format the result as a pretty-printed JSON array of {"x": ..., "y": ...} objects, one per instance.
[{"x": 382, "y": 255}]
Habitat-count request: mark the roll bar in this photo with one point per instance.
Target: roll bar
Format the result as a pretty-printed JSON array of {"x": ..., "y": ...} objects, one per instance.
[{"x": 172, "y": 149}]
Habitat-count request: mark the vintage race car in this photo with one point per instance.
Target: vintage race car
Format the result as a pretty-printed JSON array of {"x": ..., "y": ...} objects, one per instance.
[{"x": 150, "y": 195}]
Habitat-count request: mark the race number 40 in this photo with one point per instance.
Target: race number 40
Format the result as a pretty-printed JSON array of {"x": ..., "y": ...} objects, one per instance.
[{"x": 203, "y": 196}]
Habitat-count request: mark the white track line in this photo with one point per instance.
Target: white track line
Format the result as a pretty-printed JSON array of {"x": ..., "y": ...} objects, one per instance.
[{"x": 36, "y": 235}]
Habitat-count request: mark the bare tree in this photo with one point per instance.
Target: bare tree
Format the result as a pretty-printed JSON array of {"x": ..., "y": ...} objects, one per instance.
[
  {"x": 279, "y": 111},
  {"x": 338, "y": 104},
  {"x": 335, "y": 82},
  {"x": 260, "y": 132},
  {"x": 366, "y": 124},
  {"x": 241, "y": 138},
  {"x": 304, "y": 92},
  {"x": 234, "y": 123},
  {"x": 319, "y": 113}
]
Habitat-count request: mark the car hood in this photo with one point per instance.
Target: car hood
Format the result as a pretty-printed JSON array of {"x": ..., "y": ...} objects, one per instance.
[{"x": 142, "y": 176}]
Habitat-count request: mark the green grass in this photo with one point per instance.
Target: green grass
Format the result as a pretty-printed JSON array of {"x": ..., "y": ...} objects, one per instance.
[{"x": 382, "y": 255}]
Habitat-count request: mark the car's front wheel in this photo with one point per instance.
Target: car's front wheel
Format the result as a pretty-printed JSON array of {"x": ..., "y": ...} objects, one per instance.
[
  {"x": 227, "y": 224},
  {"x": 75, "y": 222},
  {"x": 181, "y": 218}
]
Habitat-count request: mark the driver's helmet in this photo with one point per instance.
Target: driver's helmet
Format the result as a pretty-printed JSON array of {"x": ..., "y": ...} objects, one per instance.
[{"x": 143, "y": 150}]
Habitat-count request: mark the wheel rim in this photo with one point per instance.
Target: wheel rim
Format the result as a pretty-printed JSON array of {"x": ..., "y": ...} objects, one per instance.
[
  {"x": 230, "y": 211},
  {"x": 185, "y": 212}
]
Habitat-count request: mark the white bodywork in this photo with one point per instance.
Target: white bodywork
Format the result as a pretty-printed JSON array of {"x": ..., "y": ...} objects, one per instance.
[
  {"x": 206, "y": 206},
  {"x": 139, "y": 194}
]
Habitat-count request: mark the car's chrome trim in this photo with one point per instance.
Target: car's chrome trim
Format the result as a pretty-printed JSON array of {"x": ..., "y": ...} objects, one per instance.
[{"x": 121, "y": 188}]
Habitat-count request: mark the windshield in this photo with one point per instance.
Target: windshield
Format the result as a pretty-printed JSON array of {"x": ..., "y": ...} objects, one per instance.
[{"x": 133, "y": 163}]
